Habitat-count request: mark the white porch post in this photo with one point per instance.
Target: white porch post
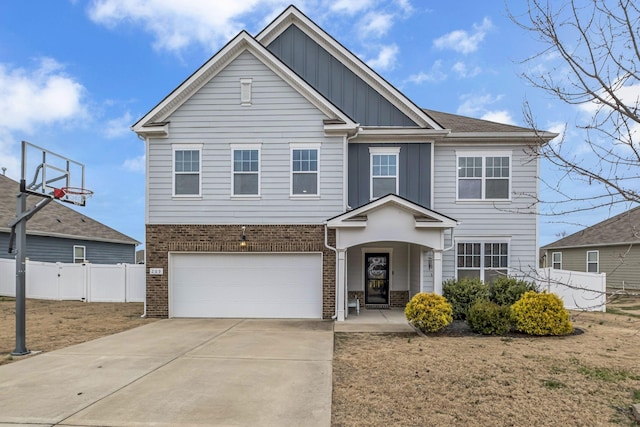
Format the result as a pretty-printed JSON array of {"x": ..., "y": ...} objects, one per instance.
[
  {"x": 342, "y": 283},
  {"x": 437, "y": 271}
]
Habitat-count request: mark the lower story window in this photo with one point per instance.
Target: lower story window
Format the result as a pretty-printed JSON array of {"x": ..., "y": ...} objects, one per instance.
[
  {"x": 593, "y": 261},
  {"x": 79, "y": 254},
  {"x": 484, "y": 261}
]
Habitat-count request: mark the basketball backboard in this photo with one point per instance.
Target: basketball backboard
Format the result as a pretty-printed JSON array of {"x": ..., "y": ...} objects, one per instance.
[{"x": 48, "y": 174}]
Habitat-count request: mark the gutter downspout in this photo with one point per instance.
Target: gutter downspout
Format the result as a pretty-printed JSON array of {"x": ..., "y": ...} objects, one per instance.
[{"x": 326, "y": 244}]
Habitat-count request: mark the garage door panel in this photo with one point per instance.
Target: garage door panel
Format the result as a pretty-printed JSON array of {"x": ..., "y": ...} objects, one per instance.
[{"x": 246, "y": 285}]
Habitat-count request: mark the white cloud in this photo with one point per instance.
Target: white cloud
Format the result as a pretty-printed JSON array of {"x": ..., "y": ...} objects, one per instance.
[
  {"x": 461, "y": 69},
  {"x": 434, "y": 75},
  {"x": 499, "y": 116},
  {"x": 386, "y": 58},
  {"x": 177, "y": 24},
  {"x": 119, "y": 126},
  {"x": 41, "y": 96},
  {"x": 136, "y": 164},
  {"x": 375, "y": 24},
  {"x": 350, "y": 7},
  {"x": 463, "y": 41}
]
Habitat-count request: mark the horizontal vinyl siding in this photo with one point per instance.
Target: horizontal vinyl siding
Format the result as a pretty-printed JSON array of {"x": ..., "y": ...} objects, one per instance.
[
  {"x": 214, "y": 118},
  {"x": 490, "y": 219},
  {"x": 620, "y": 263}
]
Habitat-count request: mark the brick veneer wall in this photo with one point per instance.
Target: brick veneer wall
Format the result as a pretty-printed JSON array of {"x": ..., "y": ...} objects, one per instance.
[
  {"x": 162, "y": 239},
  {"x": 397, "y": 299}
]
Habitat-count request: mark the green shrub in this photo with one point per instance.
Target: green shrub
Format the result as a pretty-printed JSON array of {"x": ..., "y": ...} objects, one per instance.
[
  {"x": 462, "y": 293},
  {"x": 488, "y": 318},
  {"x": 540, "y": 314},
  {"x": 428, "y": 312},
  {"x": 507, "y": 290}
]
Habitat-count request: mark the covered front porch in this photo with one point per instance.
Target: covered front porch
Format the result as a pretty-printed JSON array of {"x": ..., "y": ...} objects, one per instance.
[
  {"x": 387, "y": 251},
  {"x": 390, "y": 320}
]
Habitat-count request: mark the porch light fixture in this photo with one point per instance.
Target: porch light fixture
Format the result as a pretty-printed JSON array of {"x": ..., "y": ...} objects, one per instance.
[{"x": 243, "y": 239}]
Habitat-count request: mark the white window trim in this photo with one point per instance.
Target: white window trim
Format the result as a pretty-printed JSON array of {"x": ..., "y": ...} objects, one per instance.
[
  {"x": 245, "y": 92},
  {"x": 303, "y": 146},
  {"x": 597, "y": 262},
  {"x": 484, "y": 155},
  {"x": 84, "y": 251},
  {"x": 258, "y": 147},
  {"x": 185, "y": 147},
  {"x": 383, "y": 151},
  {"x": 553, "y": 263},
  {"x": 482, "y": 242}
]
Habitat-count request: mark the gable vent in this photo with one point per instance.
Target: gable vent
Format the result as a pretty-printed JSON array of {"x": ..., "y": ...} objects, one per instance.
[{"x": 245, "y": 92}]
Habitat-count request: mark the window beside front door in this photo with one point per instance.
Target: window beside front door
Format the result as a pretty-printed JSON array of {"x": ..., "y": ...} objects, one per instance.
[
  {"x": 304, "y": 171},
  {"x": 384, "y": 171},
  {"x": 484, "y": 261},
  {"x": 246, "y": 171},
  {"x": 79, "y": 254},
  {"x": 186, "y": 171},
  {"x": 376, "y": 273},
  {"x": 593, "y": 262}
]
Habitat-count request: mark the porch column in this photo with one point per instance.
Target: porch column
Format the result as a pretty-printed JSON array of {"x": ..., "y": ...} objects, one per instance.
[
  {"x": 437, "y": 271},
  {"x": 342, "y": 283}
]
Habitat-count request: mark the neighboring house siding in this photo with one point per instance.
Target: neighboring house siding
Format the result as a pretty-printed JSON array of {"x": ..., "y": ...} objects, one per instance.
[
  {"x": 414, "y": 174},
  {"x": 213, "y": 117},
  {"x": 620, "y": 263},
  {"x": 486, "y": 220},
  {"x": 53, "y": 249},
  {"x": 335, "y": 81}
]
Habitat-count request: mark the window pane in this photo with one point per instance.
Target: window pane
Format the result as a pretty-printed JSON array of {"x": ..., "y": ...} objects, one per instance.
[
  {"x": 245, "y": 160},
  {"x": 592, "y": 256},
  {"x": 78, "y": 252},
  {"x": 187, "y": 160},
  {"x": 469, "y": 189},
  {"x": 468, "y": 274},
  {"x": 305, "y": 160},
  {"x": 246, "y": 183},
  {"x": 383, "y": 186},
  {"x": 592, "y": 268},
  {"x": 497, "y": 189},
  {"x": 187, "y": 183},
  {"x": 305, "y": 183},
  {"x": 491, "y": 275},
  {"x": 470, "y": 167},
  {"x": 384, "y": 165}
]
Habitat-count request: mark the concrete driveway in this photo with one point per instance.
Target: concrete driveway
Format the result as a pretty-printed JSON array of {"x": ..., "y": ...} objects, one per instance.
[{"x": 179, "y": 372}]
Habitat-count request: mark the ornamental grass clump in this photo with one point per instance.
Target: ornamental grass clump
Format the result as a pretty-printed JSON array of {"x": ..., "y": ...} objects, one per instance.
[
  {"x": 428, "y": 312},
  {"x": 540, "y": 314},
  {"x": 488, "y": 318}
]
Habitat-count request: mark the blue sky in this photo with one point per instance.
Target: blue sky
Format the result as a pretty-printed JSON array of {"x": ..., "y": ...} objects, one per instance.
[{"x": 75, "y": 75}]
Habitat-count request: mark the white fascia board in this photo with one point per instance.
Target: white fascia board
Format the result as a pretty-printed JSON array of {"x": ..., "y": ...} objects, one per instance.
[
  {"x": 242, "y": 42},
  {"x": 292, "y": 15},
  {"x": 397, "y": 134}
]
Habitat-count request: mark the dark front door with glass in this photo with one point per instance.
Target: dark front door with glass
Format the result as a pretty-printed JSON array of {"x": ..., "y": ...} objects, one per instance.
[{"x": 376, "y": 273}]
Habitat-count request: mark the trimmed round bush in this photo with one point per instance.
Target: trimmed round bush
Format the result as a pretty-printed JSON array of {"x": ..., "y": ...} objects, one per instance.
[
  {"x": 428, "y": 312},
  {"x": 462, "y": 293},
  {"x": 507, "y": 290},
  {"x": 541, "y": 314},
  {"x": 488, "y": 318}
]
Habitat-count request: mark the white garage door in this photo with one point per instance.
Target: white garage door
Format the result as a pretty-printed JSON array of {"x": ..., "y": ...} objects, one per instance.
[{"x": 246, "y": 285}]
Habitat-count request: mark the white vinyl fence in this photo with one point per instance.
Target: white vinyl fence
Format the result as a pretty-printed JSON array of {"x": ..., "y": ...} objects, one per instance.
[
  {"x": 578, "y": 290},
  {"x": 84, "y": 282}
]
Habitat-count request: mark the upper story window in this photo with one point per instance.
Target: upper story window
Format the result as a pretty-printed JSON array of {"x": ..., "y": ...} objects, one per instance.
[
  {"x": 304, "y": 169},
  {"x": 79, "y": 254},
  {"x": 556, "y": 260},
  {"x": 484, "y": 177},
  {"x": 384, "y": 171},
  {"x": 593, "y": 262},
  {"x": 246, "y": 170},
  {"x": 186, "y": 171},
  {"x": 483, "y": 260}
]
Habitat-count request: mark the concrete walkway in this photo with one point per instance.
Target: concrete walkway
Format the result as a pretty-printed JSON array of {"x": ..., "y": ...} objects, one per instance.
[
  {"x": 179, "y": 372},
  {"x": 375, "y": 320}
]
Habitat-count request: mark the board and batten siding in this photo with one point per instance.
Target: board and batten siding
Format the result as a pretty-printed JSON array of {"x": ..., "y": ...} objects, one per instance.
[
  {"x": 278, "y": 115},
  {"x": 486, "y": 220}
]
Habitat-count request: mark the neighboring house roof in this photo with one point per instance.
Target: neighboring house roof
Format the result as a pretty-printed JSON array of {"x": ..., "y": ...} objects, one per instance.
[
  {"x": 55, "y": 219},
  {"x": 620, "y": 229}
]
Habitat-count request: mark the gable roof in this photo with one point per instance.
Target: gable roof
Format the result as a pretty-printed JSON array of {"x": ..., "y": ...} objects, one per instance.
[
  {"x": 55, "y": 219},
  {"x": 425, "y": 217},
  {"x": 618, "y": 230},
  {"x": 293, "y": 16},
  {"x": 154, "y": 122}
]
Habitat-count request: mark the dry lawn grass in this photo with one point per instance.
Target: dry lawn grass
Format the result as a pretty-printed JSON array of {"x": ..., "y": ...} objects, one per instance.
[
  {"x": 56, "y": 324},
  {"x": 590, "y": 379}
]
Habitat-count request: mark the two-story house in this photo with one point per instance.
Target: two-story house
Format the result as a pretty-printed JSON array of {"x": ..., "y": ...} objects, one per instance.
[{"x": 285, "y": 177}]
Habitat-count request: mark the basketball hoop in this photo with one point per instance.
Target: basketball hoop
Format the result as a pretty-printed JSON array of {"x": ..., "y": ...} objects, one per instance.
[{"x": 75, "y": 195}]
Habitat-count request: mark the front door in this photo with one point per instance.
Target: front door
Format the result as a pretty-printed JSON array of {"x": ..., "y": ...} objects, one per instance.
[{"x": 376, "y": 273}]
